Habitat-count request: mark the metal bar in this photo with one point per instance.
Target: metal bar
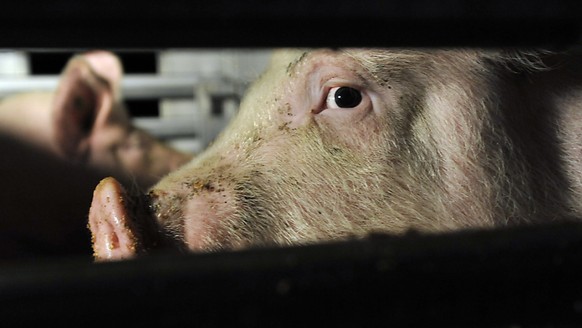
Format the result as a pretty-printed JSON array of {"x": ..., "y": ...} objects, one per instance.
[
  {"x": 528, "y": 276},
  {"x": 135, "y": 86},
  {"x": 173, "y": 127}
]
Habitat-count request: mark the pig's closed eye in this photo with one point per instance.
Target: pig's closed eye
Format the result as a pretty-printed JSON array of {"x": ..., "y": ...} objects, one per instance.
[{"x": 343, "y": 97}]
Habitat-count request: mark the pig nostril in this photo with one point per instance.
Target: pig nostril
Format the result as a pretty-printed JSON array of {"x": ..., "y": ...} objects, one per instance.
[{"x": 113, "y": 242}]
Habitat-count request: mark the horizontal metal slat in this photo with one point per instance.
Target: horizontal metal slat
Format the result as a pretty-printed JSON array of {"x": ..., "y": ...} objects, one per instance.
[{"x": 133, "y": 86}]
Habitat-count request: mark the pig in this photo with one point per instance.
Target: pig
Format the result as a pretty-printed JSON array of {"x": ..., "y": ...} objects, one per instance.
[
  {"x": 84, "y": 121},
  {"x": 58, "y": 145},
  {"x": 331, "y": 144}
]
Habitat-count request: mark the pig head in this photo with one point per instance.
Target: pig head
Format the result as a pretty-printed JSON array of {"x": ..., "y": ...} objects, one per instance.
[
  {"x": 91, "y": 126},
  {"x": 337, "y": 144}
]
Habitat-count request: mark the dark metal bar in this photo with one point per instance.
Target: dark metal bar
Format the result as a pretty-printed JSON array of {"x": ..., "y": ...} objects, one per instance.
[
  {"x": 257, "y": 23},
  {"x": 514, "y": 277}
]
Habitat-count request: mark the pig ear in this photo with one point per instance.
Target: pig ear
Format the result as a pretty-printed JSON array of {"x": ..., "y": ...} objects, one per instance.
[
  {"x": 113, "y": 229},
  {"x": 85, "y": 98},
  {"x": 107, "y": 66}
]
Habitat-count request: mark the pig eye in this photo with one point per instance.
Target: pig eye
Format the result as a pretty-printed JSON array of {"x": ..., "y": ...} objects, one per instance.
[{"x": 343, "y": 97}]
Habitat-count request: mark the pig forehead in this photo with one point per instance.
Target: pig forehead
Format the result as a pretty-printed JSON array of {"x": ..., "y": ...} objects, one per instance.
[
  {"x": 371, "y": 60},
  {"x": 293, "y": 58}
]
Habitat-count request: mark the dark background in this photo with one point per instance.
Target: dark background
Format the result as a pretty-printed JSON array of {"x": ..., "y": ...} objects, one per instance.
[{"x": 275, "y": 23}]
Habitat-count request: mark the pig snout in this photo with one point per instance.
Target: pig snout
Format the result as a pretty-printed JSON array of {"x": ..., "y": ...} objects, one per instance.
[
  {"x": 122, "y": 225},
  {"x": 112, "y": 223},
  {"x": 188, "y": 215}
]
